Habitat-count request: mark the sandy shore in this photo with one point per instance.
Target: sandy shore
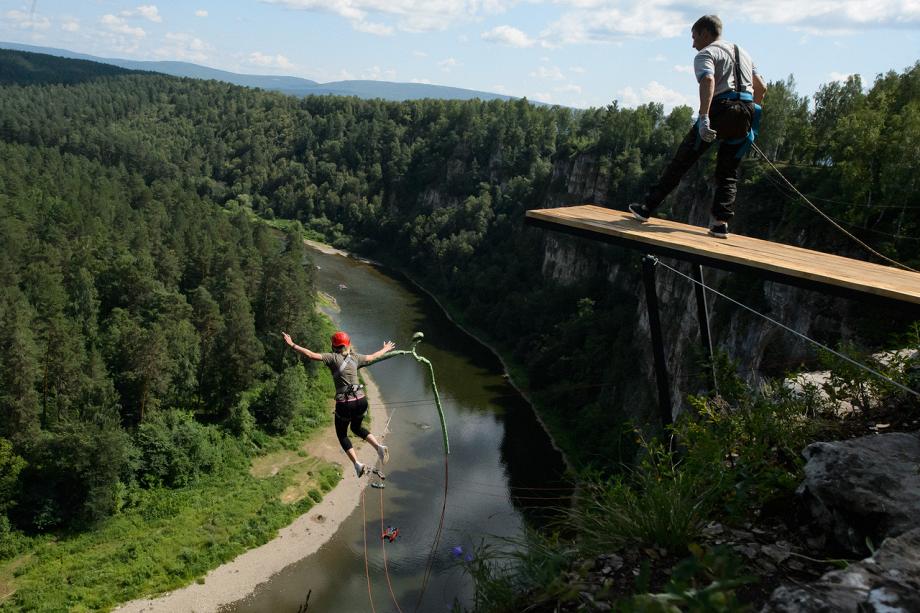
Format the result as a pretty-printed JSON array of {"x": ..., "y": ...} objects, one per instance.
[
  {"x": 324, "y": 248},
  {"x": 239, "y": 578}
]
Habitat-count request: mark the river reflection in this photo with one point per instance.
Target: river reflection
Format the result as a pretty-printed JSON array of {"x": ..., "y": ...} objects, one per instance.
[{"x": 504, "y": 474}]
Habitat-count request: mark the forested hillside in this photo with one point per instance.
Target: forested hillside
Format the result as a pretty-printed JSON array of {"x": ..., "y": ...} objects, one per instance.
[
  {"x": 141, "y": 235},
  {"x": 135, "y": 314}
]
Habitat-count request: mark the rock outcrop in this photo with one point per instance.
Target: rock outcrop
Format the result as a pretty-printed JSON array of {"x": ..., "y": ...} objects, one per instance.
[
  {"x": 887, "y": 582},
  {"x": 865, "y": 489}
]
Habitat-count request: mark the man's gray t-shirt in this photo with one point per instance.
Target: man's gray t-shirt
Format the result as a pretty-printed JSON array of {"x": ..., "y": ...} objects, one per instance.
[
  {"x": 718, "y": 60},
  {"x": 343, "y": 377}
]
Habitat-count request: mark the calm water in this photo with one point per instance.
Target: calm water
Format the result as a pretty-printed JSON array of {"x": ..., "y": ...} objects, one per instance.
[{"x": 498, "y": 452}]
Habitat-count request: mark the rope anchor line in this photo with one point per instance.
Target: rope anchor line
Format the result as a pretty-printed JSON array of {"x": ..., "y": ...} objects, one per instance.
[
  {"x": 827, "y": 217},
  {"x": 846, "y": 358}
]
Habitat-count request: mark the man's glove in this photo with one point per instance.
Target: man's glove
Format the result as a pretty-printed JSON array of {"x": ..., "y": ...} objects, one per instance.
[{"x": 706, "y": 133}]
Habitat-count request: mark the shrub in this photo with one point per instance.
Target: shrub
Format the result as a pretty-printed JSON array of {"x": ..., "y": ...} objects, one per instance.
[
  {"x": 278, "y": 405},
  {"x": 73, "y": 475},
  {"x": 175, "y": 449},
  {"x": 658, "y": 504}
]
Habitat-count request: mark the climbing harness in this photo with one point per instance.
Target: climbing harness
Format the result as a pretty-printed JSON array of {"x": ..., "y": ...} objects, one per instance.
[
  {"x": 346, "y": 392},
  {"x": 735, "y": 94},
  {"x": 390, "y": 534}
]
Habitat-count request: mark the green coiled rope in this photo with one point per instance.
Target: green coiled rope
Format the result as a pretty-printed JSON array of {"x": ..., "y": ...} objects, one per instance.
[{"x": 416, "y": 339}]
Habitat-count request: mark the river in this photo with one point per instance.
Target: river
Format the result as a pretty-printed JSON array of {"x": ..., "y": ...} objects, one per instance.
[{"x": 504, "y": 474}]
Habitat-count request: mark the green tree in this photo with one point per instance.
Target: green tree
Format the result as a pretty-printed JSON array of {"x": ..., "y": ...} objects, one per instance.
[
  {"x": 239, "y": 352},
  {"x": 19, "y": 368}
]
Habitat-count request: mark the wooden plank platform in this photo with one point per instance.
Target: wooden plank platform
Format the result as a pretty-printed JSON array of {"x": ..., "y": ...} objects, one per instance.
[{"x": 785, "y": 263}]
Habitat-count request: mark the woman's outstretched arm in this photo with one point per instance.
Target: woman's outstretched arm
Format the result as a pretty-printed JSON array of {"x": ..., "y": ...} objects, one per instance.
[
  {"x": 387, "y": 347},
  {"x": 310, "y": 354}
]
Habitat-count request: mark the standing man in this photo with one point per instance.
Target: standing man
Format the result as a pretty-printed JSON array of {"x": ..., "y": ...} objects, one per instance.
[{"x": 730, "y": 94}]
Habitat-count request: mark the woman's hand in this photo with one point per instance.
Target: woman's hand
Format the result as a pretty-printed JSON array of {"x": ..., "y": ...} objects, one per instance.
[
  {"x": 388, "y": 346},
  {"x": 310, "y": 354}
]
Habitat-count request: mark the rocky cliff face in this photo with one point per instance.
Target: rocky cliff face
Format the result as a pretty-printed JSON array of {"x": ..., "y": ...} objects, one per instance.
[{"x": 758, "y": 346}]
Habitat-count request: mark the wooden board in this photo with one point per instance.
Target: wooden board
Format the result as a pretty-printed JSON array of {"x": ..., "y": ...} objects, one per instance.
[{"x": 738, "y": 251}]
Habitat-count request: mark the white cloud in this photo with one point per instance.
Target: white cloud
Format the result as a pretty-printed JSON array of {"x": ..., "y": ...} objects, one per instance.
[
  {"x": 376, "y": 73},
  {"x": 840, "y": 76},
  {"x": 448, "y": 64},
  {"x": 408, "y": 15},
  {"x": 507, "y": 35},
  {"x": 654, "y": 92},
  {"x": 28, "y": 21},
  {"x": 577, "y": 69},
  {"x": 368, "y": 27},
  {"x": 541, "y": 97},
  {"x": 604, "y": 23},
  {"x": 147, "y": 11},
  {"x": 422, "y": 81},
  {"x": 548, "y": 72},
  {"x": 182, "y": 46},
  {"x": 118, "y": 25},
  {"x": 201, "y": 13},
  {"x": 569, "y": 88},
  {"x": 419, "y": 54},
  {"x": 684, "y": 68},
  {"x": 660, "y": 58},
  {"x": 831, "y": 15},
  {"x": 70, "y": 25},
  {"x": 266, "y": 60}
]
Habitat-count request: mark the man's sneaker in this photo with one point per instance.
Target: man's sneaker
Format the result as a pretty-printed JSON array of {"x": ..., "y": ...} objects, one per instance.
[
  {"x": 719, "y": 229},
  {"x": 383, "y": 452},
  {"x": 640, "y": 211},
  {"x": 360, "y": 469}
]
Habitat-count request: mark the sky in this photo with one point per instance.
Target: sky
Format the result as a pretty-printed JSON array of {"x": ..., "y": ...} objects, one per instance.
[{"x": 579, "y": 53}]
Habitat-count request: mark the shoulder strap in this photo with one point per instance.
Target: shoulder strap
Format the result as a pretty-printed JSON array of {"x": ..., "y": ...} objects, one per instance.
[
  {"x": 341, "y": 368},
  {"x": 737, "y": 69}
]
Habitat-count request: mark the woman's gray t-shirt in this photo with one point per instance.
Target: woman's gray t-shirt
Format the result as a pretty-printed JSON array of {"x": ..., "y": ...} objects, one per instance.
[{"x": 344, "y": 377}]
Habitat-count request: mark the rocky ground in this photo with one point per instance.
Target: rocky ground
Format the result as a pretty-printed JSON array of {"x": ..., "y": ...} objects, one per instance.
[{"x": 848, "y": 541}]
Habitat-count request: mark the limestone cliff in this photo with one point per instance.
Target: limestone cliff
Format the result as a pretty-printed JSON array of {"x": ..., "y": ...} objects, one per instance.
[{"x": 759, "y": 347}]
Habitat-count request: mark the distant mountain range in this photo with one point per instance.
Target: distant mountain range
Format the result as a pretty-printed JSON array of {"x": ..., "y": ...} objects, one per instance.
[{"x": 294, "y": 86}]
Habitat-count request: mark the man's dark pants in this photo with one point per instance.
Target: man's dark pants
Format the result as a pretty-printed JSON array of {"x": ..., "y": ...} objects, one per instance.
[{"x": 728, "y": 118}]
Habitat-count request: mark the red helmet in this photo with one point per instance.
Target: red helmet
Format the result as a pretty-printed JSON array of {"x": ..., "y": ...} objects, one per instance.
[{"x": 340, "y": 339}]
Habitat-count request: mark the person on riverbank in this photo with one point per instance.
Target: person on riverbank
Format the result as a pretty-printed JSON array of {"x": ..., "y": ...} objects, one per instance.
[
  {"x": 731, "y": 91},
  {"x": 350, "y": 401}
]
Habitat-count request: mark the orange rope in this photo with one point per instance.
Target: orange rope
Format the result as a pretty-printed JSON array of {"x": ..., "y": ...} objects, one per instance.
[
  {"x": 367, "y": 571},
  {"x": 383, "y": 543}
]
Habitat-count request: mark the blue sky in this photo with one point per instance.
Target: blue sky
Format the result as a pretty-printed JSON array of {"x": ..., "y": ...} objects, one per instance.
[{"x": 574, "y": 52}]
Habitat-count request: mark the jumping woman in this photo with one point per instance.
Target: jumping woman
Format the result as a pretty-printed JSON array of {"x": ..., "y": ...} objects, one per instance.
[{"x": 350, "y": 401}]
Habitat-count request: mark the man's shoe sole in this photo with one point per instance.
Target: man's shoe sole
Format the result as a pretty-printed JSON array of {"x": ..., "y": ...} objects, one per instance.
[{"x": 638, "y": 217}]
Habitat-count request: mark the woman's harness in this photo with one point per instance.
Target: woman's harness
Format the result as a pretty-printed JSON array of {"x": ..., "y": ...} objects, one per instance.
[{"x": 346, "y": 393}]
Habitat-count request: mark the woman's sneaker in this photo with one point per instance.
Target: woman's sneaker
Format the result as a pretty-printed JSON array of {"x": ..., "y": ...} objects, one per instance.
[
  {"x": 383, "y": 452},
  {"x": 640, "y": 211},
  {"x": 719, "y": 229},
  {"x": 360, "y": 469}
]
